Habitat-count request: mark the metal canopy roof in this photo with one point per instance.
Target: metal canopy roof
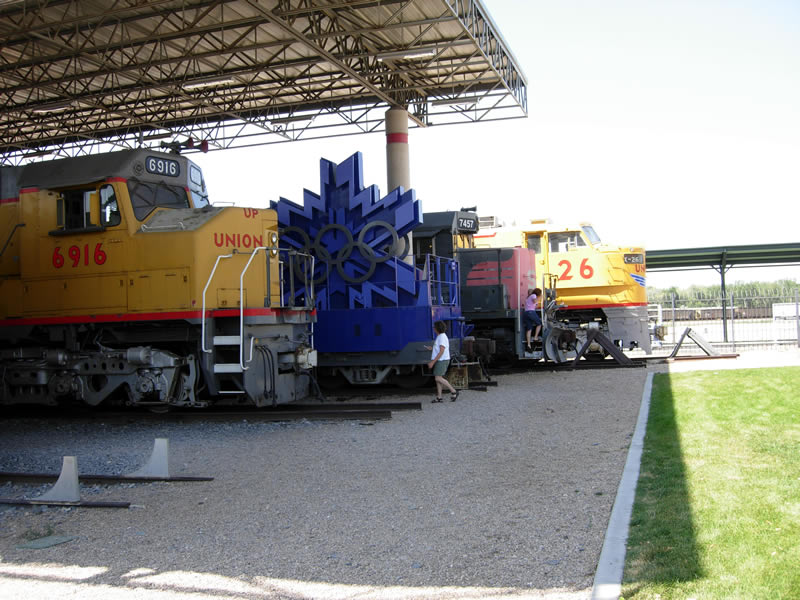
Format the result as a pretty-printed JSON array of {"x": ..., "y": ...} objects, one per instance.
[
  {"x": 722, "y": 257},
  {"x": 78, "y": 75}
]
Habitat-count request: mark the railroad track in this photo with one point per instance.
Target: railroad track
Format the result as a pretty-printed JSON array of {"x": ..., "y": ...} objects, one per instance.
[
  {"x": 581, "y": 365},
  {"x": 21, "y": 477},
  {"x": 360, "y": 411},
  {"x": 289, "y": 412}
]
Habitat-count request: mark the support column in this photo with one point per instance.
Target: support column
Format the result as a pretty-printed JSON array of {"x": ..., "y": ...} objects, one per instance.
[
  {"x": 722, "y": 269},
  {"x": 398, "y": 172}
]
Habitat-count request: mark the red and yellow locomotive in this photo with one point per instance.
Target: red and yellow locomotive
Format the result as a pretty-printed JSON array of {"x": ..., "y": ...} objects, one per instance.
[{"x": 598, "y": 286}]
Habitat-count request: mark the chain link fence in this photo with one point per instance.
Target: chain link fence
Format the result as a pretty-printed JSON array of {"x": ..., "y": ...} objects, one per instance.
[{"x": 735, "y": 323}]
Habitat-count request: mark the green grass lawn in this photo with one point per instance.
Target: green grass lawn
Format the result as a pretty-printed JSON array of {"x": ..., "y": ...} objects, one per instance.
[{"x": 717, "y": 510}]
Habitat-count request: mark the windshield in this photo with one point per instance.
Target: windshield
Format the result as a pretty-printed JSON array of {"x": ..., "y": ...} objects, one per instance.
[
  {"x": 146, "y": 196},
  {"x": 197, "y": 186},
  {"x": 563, "y": 241},
  {"x": 591, "y": 235}
]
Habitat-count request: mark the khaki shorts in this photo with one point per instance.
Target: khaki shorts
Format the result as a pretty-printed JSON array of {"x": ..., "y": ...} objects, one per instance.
[{"x": 440, "y": 368}]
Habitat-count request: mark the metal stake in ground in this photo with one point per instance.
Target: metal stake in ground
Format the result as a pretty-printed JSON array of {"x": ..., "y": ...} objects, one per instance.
[{"x": 65, "y": 492}]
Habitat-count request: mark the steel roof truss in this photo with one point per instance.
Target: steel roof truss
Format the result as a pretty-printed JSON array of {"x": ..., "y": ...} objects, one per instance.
[{"x": 83, "y": 75}]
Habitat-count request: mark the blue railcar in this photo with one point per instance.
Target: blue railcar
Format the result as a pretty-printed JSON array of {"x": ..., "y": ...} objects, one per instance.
[{"x": 375, "y": 308}]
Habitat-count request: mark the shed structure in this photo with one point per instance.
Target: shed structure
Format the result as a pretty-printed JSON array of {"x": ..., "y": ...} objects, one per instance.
[
  {"x": 83, "y": 76},
  {"x": 723, "y": 258}
]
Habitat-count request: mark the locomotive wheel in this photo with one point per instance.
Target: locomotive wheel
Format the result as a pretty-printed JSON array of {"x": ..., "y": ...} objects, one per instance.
[
  {"x": 557, "y": 343},
  {"x": 551, "y": 350}
]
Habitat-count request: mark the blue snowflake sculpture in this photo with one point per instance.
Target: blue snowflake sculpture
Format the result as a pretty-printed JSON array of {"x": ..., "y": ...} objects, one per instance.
[
  {"x": 369, "y": 301},
  {"x": 356, "y": 237}
]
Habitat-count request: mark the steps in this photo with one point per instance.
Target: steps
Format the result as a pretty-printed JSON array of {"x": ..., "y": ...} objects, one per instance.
[{"x": 227, "y": 340}]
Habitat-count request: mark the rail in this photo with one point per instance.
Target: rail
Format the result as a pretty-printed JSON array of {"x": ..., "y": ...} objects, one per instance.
[
  {"x": 300, "y": 265},
  {"x": 309, "y": 286},
  {"x": 241, "y": 308},
  {"x": 443, "y": 280},
  {"x": 10, "y": 235},
  {"x": 167, "y": 227},
  {"x": 205, "y": 289},
  {"x": 761, "y": 320}
]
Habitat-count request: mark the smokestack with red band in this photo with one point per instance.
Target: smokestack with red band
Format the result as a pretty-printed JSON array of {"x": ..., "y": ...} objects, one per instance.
[
  {"x": 398, "y": 173},
  {"x": 397, "y": 169}
]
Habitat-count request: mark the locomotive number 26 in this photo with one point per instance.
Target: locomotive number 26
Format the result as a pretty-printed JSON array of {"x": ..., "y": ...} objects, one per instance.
[
  {"x": 75, "y": 253},
  {"x": 586, "y": 271}
]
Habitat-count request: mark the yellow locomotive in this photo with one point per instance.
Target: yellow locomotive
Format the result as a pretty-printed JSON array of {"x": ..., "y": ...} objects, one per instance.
[
  {"x": 597, "y": 285},
  {"x": 120, "y": 282}
]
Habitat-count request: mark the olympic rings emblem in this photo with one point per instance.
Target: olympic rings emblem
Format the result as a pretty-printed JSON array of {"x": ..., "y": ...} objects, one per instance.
[{"x": 334, "y": 246}]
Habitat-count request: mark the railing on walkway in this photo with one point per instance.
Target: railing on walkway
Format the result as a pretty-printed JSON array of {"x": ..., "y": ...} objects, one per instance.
[{"x": 443, "y": 279}]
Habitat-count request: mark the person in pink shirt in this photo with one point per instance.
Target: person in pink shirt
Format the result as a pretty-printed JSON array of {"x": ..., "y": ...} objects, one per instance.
[{"x": 531, "y": 317}]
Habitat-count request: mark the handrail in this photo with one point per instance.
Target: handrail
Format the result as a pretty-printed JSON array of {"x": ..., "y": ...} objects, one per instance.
[
  {"x": 203, "y": 317},
  {"x": 241, "y": 307},
  {"x": 242, "y": 360},
  {"x": 10, "y": 235},
  {"x": 307, "y": 276},
  {"x": 442, "y": 276},
  {"x": 311, "y": 302},
  {"x": 146, "y": 227}
]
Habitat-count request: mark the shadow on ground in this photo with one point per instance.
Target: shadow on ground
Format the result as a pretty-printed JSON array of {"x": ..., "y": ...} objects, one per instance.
[{"x": 662, "y": 545}]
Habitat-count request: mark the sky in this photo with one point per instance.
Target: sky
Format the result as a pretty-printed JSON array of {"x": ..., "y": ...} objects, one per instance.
[{"x": 666, "y": 124}]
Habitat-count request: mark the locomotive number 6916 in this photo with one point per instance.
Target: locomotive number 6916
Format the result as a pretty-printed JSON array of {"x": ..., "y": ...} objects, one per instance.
[
  {"x": 77, "y": 255},
  {"x": 162, "y": 166}
]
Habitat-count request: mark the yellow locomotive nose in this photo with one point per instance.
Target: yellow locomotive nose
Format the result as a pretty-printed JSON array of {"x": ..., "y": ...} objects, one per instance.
[{"x": 597, "y": 285}]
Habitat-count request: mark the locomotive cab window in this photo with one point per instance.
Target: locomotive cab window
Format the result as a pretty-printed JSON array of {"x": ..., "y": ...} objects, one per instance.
[
  {"x": 422, "y": 247},
  {"x": 109, "y": 208},
  {"x": 78, "y": 210},
  {"x": 464, "y": 240},
  {"x": 76, "y": 213},
  {"x": 562, "y": 242},
  {"x": 534, "y": 242},
  {"x": 197, "y": 185},
  {"x": 591, "y": 234},
  {"x": 147, "y": 196}
]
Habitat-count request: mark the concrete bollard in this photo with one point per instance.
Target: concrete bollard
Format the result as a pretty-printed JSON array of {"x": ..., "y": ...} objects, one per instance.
[
  {"x": 66, "y": 489},
  {"x": 158, "y": 465}
]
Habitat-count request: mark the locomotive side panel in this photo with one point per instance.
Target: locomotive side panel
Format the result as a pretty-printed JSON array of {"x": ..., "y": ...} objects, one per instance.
[{"x": 160, "y": 265}]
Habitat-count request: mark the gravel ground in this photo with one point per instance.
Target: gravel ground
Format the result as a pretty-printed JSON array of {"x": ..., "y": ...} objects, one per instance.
[{"x": 503, "y": 494}]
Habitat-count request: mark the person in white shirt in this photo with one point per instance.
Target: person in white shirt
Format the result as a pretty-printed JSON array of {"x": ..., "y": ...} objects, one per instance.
[{"x": 440, "y": 360}]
